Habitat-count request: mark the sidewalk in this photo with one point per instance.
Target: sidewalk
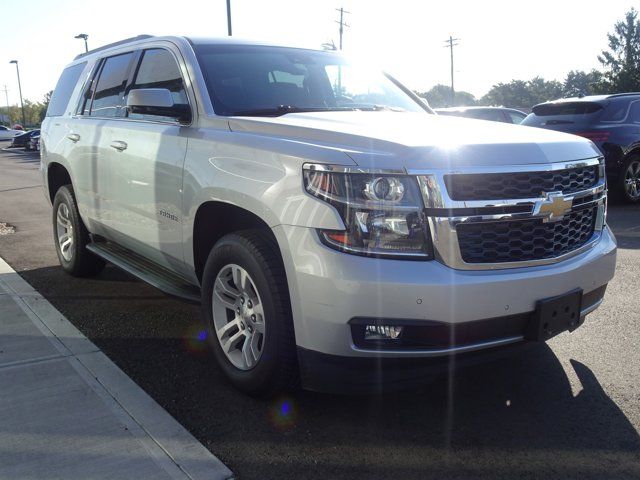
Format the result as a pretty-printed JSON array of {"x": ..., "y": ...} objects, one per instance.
[{"x": 68, "y": 412}]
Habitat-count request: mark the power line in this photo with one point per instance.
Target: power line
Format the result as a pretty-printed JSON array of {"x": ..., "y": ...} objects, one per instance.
[
  {"x": 450, "y": 43},
  {"x": 342, "y": 23}
]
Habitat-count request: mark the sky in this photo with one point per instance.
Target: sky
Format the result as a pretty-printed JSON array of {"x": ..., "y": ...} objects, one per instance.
[{"x": 499, "y": 40}]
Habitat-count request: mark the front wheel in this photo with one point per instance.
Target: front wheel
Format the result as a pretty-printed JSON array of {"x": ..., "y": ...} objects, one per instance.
[
  {"x": 629, "y": 181},
  {"x": 245, "y": 301}
]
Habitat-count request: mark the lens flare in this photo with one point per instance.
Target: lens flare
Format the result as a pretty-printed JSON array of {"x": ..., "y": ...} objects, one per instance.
[
  {"x": 283, "y": 413},
  {"x": 195, "y": 340}
]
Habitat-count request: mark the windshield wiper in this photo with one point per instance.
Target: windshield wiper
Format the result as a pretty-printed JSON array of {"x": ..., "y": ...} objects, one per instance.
[{"x": 284, "y": 109}]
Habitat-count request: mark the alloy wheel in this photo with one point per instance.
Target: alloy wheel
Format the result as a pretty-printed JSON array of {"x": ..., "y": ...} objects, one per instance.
[
  {"x": 238, "y": 316},
  {"x": 64, "y": 229},
  {"x": 632, "y": 180}
]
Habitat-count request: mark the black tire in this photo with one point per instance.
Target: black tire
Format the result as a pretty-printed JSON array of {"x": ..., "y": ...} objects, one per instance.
[
  {"x": 621, "y": 188},
  {"x": 82, "y": 263},
  {"x": 256, "y": 251}
]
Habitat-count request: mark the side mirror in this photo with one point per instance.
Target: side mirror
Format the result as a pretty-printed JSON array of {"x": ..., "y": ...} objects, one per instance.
[{"x": 157, "y": 101}]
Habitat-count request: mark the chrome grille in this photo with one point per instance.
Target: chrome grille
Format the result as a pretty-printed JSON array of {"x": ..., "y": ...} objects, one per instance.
[
  {"x": 525, "y": 240},
  {"x": 496, "y": 186}
]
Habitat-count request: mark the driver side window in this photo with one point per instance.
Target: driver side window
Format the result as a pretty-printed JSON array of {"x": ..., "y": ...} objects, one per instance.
[{"x": 158, "y": 69}]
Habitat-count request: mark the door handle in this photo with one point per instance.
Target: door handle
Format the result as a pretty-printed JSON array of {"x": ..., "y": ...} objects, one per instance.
[
  {"x": 74, "y": 137},
  {"x": 118, "y": 145}
]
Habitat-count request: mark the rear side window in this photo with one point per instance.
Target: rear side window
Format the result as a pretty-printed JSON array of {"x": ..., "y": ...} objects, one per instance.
[
  {"x": 64, "y": 89},
  {"x": 516, "y": 117},
  {"x": 566, "y": 108},
  {"x": 159, "y": 69},
  {"x": 492, "y": 115},
  {"x": 108, "y": 100},
  {"x": 634, "y": 112}
]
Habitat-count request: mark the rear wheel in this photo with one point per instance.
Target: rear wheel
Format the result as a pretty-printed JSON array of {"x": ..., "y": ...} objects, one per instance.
[
  {"x": 246, "y": 307},
  {"x": 629, "y": 182},
  {"x": 71, "y": 236}
]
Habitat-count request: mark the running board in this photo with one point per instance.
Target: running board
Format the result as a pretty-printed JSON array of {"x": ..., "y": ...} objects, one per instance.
[{"x": 145, "y": 270}]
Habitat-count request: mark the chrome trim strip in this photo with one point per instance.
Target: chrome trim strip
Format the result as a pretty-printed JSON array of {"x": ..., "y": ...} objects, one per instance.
[
  {"x": 442, "y": 351},
  {"x": 592, "y": 308},
  {"x": 530, "y": 167},
  {"x": 323, "y": 167}
]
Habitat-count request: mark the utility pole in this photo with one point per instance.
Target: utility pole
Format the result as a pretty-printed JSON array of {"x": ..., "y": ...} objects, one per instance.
[
  {"x": 229, "y": 17},
  {"x": 450, "y": 43},
  {"x": 342, "y": 23},
  {"x": 24, "y": 122}
]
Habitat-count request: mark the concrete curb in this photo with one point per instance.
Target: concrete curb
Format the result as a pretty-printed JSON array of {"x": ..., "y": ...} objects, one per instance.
[{"x": 169, "y": 444}]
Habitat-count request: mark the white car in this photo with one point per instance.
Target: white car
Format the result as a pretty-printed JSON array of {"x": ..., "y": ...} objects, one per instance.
[
  {"x": 8, "y": 133},
  {"x": 335, "y": 231}
]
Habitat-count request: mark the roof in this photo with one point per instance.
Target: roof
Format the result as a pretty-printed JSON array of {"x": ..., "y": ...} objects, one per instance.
[
  {"x": 464, "y": 109},
  {"x": 594, "y": 98},
  {"x": 193, "y": 41}
]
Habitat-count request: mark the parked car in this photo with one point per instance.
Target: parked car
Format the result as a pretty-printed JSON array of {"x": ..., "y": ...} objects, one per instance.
[
  {"x": 612, "y": 122},
  {"x": 318, "y": 211},
  {"x": 22, "y": 139},
  {"x": 7, "y": 133},
  {"x": 494, "y": 114},
  {"x": 34, "y": 143}
]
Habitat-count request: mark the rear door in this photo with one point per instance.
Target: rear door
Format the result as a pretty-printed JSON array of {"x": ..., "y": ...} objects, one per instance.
[
  {"x": 145, "y": 154},
  {"x": 100, "y": 105}
]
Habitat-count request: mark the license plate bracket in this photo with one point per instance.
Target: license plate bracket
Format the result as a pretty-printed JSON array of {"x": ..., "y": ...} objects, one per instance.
[{"x": 555, "y": 315}]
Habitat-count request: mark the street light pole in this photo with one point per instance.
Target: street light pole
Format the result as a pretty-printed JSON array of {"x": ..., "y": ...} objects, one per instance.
[
  {"x": 24, "y": 121},
  {"x": 229, "y": 17},
  {"x": 83, "y": 36}
]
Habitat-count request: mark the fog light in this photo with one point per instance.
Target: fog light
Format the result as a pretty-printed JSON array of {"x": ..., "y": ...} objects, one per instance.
[{"x": 382, "y": 332}]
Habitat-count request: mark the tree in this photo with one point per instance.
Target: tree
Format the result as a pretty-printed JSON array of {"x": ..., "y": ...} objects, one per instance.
[
  {"x": 522, "y": 94},
  {"x": 440, "y": 96},
  {"x": 622, "y": 59},
  {"x": 579, "y": 83}
]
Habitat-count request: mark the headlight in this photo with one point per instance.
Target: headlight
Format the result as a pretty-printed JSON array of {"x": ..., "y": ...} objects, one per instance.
[{"x": 383, "y": 214}]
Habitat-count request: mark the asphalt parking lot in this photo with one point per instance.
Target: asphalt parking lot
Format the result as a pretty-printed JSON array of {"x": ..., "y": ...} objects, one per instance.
[{"x": 569, "y": 409}]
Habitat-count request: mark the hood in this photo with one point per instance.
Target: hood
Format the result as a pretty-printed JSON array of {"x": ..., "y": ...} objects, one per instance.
[{"x": 419, "y": 140}]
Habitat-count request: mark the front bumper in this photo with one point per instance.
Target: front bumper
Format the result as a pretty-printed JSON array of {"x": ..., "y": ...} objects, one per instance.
[{"x": 328, "y": 289}]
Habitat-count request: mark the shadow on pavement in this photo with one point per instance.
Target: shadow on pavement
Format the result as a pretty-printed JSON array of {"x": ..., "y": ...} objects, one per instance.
[
  {"x": 517, "y": 418},
  {"x": 624, "y": 220}
]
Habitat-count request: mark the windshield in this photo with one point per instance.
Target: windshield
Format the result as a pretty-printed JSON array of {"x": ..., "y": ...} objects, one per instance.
[{"x": 261, "y": 80}]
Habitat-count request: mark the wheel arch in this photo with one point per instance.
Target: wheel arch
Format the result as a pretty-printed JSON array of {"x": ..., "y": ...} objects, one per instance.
[
  {"x": 57, "y": 176},
  {"x": 215, "y": 219}
]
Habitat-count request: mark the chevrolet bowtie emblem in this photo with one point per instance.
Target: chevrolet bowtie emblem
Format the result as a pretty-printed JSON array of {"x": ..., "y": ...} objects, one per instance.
[{"x": 554, "y": 207}]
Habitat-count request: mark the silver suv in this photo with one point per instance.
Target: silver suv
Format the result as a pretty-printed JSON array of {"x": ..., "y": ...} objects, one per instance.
[{"x": 335, "y": 231}]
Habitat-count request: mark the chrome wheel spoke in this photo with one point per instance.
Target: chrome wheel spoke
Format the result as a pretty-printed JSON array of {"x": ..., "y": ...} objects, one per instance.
[
  {"x": 225, "y": 293},
  {"x": 239, "y": 278},
  {"x": 232, "y": 342},
  {"x": 223, "y": 332},
  {"x": 248, "y": 354}
]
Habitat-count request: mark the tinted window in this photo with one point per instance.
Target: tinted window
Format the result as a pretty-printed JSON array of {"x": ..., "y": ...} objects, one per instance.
[
  {"x": 243, "y": 79},
  {"x": 108, "y": 100},
  {"x": 158, "y": 69},
  {"x": 516, "y": 117},
  {"x": 634, "y": 112},
  {"x": 64, "y": 89},
  {"x": 492, "y": 115},
  {"x": 566, "y": 108},
  {"x": 3, "y": 128}
]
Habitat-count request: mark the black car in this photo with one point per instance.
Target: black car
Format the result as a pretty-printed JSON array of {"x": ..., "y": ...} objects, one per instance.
[
  {"x": 494, "y": 114},
  {"x": 612, "y": 122},
  {"x": 22, "y": 140}
]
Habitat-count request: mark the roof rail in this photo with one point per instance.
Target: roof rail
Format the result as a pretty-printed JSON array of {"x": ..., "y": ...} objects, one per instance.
[{"x": 114, "y": 44}]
